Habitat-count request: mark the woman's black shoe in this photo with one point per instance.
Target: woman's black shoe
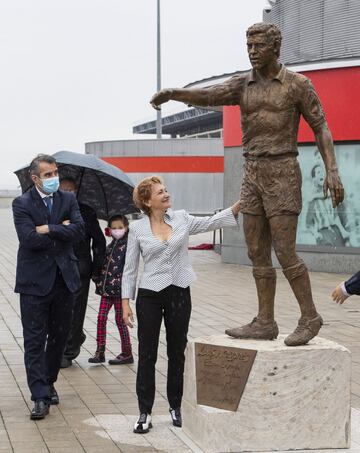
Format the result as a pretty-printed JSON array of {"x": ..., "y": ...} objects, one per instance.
[
  {"x": 40, "y": 410},
  {"x": 143, "y": 424},
  {"x": 176, "y": 417}
]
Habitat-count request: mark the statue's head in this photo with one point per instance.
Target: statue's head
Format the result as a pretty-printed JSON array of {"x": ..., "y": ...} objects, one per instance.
[{"x": 263, "y": 43}]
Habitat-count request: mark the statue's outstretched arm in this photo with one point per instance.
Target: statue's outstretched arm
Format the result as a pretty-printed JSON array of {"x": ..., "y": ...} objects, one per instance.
[
  {"x": 226, "y": 93},
  {"x": 189, "y": 96}
]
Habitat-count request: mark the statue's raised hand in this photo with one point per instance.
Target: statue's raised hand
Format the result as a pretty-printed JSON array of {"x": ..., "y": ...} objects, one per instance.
[
  {"x": 161, "y": 97},
  {"x": 334, "y": 185}
]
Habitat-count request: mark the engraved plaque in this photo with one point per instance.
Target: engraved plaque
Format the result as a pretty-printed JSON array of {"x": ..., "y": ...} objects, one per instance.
[{"x": 221, "y": 374}]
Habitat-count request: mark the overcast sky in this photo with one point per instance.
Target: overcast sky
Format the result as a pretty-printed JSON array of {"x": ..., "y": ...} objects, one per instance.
[{"x": 75, "y": 71}]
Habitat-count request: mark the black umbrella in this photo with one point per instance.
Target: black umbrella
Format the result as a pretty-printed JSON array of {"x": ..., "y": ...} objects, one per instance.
[{"x": 100, "y": 185}]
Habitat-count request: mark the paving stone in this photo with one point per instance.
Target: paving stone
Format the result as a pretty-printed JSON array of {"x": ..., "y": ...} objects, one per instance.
[{"x": 29, "y": 447}]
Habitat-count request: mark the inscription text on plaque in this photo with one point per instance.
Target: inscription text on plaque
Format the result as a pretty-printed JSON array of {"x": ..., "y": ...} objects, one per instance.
[{"x": 221, "y": 374}]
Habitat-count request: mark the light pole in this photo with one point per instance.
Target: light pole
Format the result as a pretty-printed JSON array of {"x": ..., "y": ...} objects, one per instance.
[{"x": 158, "y": 112}]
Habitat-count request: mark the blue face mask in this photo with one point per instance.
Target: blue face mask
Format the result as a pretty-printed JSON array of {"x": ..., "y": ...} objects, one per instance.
[{"x": 50, "y": 185}]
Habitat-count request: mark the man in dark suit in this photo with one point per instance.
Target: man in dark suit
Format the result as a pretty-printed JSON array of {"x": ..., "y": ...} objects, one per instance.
[
  {"x": 90, "y": 265},
  {"x": 346, "y": 289},
  {"x": 47, "y": 223}
]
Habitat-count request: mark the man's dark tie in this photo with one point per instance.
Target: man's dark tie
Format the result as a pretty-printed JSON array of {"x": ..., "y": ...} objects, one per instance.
[{"x": 49, "y": 203}]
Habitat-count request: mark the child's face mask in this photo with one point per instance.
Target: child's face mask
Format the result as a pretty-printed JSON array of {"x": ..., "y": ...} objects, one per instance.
[{"x": 117, "y": 233}]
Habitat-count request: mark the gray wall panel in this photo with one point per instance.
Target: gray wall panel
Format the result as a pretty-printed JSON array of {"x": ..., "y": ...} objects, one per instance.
[
  {"x": 164, "y": 147},
  {"x": 234, "y": 248},
  {"x": 198, "y": 193},
  {"x": 315, "y": 30}
]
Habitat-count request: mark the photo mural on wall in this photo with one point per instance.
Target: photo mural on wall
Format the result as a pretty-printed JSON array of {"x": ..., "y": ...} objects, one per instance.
[{"x": 319, "y": 223}]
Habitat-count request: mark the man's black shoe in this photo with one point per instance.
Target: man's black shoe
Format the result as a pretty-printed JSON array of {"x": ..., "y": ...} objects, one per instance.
[
  {"x": 54, "y": 397},
  {"x": 65, "y": 363},
  {"x": 40, "y": 410}
]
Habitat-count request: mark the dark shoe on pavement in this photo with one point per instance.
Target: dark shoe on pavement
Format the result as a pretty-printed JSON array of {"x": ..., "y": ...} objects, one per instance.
[
  {"x": 143, "y": 424},
  {"x": 122, "y": 359},
  {"x": 65, "y": 362},
  {"x": 256, "y": 329},
  {"x": 40, "y": 410},
  {"x": 176, "y": 417},
  {"x": 305, "y": 331},
  {"x": 99, "y": 356},
  {"x": 54, "y": 397}
]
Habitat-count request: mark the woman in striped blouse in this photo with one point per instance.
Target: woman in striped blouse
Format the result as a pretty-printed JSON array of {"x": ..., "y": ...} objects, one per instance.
[{"x": 162, "y": 237}]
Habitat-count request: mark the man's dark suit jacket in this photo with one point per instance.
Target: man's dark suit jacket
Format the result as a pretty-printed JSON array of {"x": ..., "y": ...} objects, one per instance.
[
  {"x": 41, "y": 255},
  {"x": 352, "y": 285}
]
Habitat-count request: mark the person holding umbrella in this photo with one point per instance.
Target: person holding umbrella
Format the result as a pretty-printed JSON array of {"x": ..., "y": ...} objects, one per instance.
[
  {"x": 162, "y": 237},
  {"x": 90, "y": 253}
]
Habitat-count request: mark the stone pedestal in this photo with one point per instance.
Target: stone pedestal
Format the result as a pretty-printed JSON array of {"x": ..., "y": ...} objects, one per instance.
[{"x": 294, "y": 398}]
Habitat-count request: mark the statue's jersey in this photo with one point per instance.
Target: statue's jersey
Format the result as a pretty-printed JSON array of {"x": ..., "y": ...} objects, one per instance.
[{"x": 270, "y": 109}]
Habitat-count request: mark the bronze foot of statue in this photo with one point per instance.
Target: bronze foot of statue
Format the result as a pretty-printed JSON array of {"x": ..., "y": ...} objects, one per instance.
[
  {"x": 257, "y": 330},
  {"x": 305, "y": 331}
]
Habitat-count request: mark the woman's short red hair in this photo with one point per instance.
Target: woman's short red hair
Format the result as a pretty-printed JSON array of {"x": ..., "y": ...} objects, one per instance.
[{"x": 143, "y": 190}]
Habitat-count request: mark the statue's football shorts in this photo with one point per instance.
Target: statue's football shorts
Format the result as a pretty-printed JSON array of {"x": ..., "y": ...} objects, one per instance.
[{"x": 271, "y": 186}]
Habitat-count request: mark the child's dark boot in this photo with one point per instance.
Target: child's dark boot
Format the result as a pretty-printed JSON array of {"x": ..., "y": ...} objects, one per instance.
[{"x": 99, "y": 356}]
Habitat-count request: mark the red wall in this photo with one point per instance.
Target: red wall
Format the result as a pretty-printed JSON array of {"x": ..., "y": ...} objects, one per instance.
[
  {"x": 168, "y": 164},
  {"x": 339, "y": 91}
]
